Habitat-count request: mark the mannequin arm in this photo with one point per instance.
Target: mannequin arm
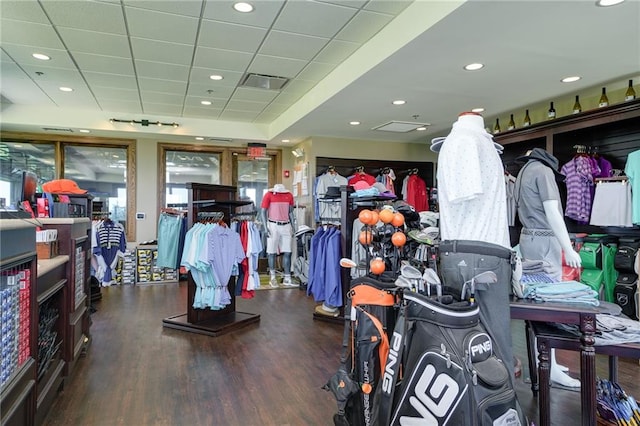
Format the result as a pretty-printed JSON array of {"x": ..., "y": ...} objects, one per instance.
[
  {"x": 265, "y": 221},
  {"x": 556, "y": 223},
  {"x": 292, "y": 219}
]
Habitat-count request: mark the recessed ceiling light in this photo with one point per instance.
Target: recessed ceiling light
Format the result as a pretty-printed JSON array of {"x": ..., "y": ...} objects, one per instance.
[
  {"x": 66, "y": 89},
  {"x": 216, "y": 77},
  {"x": 399, "y": 102},
  {"x": 354, "y": 123},
  {"x": 41, "y": 56},
  {"x": 605, "y": 3},
  {"x": 199, "y": 138},
  {"x": 420, "y": 129},
  {"x": 85, "y": 131},
  {"x": 571, "y": 79},
  {"x": 285, "y": 140},
  {"x": 205, "y": 102},
  {"x": 243, "y": 7},
  {"x": 473, "y": 67},
  {"x": 477, "y": 110}
]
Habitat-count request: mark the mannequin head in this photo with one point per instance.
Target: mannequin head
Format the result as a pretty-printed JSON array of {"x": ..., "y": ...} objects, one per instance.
[{"x": 472, "y": 120}]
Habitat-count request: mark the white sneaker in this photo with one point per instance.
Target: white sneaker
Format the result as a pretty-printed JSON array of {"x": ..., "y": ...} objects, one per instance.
[
  {"x": 287, "y": 282},
  {"x": 273, "y": 282}
]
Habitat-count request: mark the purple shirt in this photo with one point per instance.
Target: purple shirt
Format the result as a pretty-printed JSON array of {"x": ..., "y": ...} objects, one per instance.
[
  {"x": 579, "y": 173},
  {"x": 225, "y": 250}
]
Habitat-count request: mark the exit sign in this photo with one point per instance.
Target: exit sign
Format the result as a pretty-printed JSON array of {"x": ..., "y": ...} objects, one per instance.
[{"x": 257, "y": 150}]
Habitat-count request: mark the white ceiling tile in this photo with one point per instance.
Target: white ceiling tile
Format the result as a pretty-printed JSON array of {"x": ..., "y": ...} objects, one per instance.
[
  {"x": 194, "y": 101},
  {"x": 227, "y": 36},
  {"x": 80, "y": 101},
  {"x": 207, "y": 57},
  {"x": 88, "y": 15},
  {"x": 162, "y": 71},
  {"x": 104, "y": 64},
  {"x": 160, "y": 51},
  {"x": 95, "y": 43},
  {"x": 217, "y": 92},
  {"x": 65, "y": 77},
  {"x": 276, "y": 108},
  {"x": 115, "y": 93},
  {"x": 182, "y": 7},
  {"x": 272, "y": 65},
  {"x": 163, "y": 109},
  {"x": 163, "y": 86},
  {"x": 30, "y": 34},
  {"x": 161, "y": 98},
  {"x": 22, "y": 55},
  {"x": 99, "y": 79},
  {"x": 364, "y": 26},
  {"x": 120, "y": 106},
  {"x": 193, "y": 111},
  {"x": 262, "y": 16},
  {"x": 201, "y": 76},
  {"x": 25, "y": 92},
  {"x": 318, "y": 19},
  {"x": 289, "y": 98},
  {"x": 393, "y": 7},
  {"x": 232, "y": 115},
  {"x": 337, "y": 51},
  {"x": 266, "y": 117},
  {"x": 255, "y": 95},
  {"x": 4, "y": 57},
  {"x": 289, "y": 45},
  {"x": 298, "y": 86},
  {"x": 347, "y": 3},
  {"x": 29, "y": 11},
  {"x": 10, "y": 70},
  {"x": 161, "y": 26},
  {"x": 316, "y": 71},
  {"x": 246, "y": 105}
]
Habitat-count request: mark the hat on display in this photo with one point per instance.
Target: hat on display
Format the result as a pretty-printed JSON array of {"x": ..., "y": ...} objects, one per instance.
[
  {"x": 62, "y": 186},
  {"x": 303, "y": 229},
  {"x": 332, "y": 192},
  {"x": 429, "y": 218},
  {"x": 278, "y": 187},
  {"x": 383, "y": 190},
  {"x": 436, "y": 145},
  {"x": 360, "y": 185}
]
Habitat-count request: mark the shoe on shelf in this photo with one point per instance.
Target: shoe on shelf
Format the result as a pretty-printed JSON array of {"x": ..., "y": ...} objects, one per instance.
[
  {"x": 273, "y": 282},
  {"x": 287, "y": 282}
]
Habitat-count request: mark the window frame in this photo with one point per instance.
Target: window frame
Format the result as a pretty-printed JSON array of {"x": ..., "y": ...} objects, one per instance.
[{"x": 60, "y": 141}]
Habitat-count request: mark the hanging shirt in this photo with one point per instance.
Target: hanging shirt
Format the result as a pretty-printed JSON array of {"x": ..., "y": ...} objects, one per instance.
[
  {"x": 579, "y": 172},
  {"x": 328, "y": 210},
  {"x": 111, "y": 245},
  {"x": 510, "y": 184},
  {"x": 471, "y": 190},
  {"x": 632, "y": 170},
  {"x": 417, "y": 193},
  {"x": 370, "y": 180}
]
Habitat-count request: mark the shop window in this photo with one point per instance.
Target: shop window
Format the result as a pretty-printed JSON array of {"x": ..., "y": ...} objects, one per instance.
[
  {"x": 182, "y": 166},
  {"x": 16, "y": 157}
]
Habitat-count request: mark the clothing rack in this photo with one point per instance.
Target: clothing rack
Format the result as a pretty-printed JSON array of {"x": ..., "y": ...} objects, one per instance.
[
  {"x": 206, "y": 321},
  {"x": 173, "y": 211}
]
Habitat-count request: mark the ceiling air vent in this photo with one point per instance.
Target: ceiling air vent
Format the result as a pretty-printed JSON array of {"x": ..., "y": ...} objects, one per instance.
[
  {"x": 56, "y": 129},
  {"x": 400, "y": 126},
  {"x": 262, "y": 81},
  {"x": 219, "y": 140}
]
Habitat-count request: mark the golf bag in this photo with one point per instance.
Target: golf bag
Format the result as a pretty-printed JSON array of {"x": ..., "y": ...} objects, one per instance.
[
  {"x": 370, "y": 317},
  {"x": 301, "y": 262},
  {"x": 450, "y": 373}
]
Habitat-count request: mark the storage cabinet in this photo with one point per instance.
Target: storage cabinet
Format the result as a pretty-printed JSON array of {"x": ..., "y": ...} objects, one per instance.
[
  {"x": 73, "y": 241},
  {"x": 19, "y": 325}
]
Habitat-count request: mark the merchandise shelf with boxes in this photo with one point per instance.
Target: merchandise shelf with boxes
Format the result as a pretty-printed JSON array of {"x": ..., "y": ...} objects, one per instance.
[{"x": 146, "y": 270}]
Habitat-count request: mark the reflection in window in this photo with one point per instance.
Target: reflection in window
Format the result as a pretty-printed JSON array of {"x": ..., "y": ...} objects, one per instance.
[
  {"x": 16, "y": 157},
  {"x": 103, "y": 172},
  {"x": 188, "y": 166},
  {"x": 253, "y": 180}
]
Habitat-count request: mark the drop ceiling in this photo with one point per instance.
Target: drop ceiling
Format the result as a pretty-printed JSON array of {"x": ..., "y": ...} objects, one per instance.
[{"x": 345, "y": 60}]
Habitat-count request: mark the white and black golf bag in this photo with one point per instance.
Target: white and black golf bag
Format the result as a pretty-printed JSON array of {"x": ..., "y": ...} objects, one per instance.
[{"x": 450, "y": 372}]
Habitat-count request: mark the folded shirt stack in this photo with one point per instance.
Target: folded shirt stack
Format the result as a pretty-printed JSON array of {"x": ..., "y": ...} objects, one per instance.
[{"x": 563, "y": 292}]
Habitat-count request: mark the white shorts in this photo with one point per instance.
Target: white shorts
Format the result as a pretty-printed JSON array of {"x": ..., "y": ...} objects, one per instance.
[{"x": 279, "y": 240}]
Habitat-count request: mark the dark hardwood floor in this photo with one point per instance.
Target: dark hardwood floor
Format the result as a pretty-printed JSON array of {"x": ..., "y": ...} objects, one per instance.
[{"x": 137, "y": 373}]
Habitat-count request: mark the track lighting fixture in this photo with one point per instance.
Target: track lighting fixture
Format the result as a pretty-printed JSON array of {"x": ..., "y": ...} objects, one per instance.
[{"x": 144, "y": 123}]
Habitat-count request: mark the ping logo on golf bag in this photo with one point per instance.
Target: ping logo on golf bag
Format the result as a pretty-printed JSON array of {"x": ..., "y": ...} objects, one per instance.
[
  {"x": 622, "y": 299},
  {"x": 480, "y": 347},
  {"x": 392, "y": 363},
  {"x": 435, "y": 389}
]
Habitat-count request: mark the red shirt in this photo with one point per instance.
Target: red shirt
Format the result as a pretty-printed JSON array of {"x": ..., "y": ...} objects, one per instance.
[{"x": 277, "y": 205}]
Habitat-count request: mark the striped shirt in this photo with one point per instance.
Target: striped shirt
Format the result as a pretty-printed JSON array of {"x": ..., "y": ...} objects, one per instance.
[
  {"x": 579, "y": 174},
  {"x": 277, "y": 205}
]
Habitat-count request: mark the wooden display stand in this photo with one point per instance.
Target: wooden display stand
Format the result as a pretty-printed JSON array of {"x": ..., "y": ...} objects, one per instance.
[{"x": 210, "y": 198}]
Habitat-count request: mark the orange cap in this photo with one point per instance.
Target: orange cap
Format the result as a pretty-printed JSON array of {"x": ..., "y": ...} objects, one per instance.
[{"x": 62, "y": 186}]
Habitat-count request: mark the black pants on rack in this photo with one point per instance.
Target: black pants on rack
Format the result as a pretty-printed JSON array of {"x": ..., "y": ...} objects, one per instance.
[{"x": 461, "y": 260}]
